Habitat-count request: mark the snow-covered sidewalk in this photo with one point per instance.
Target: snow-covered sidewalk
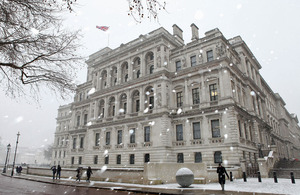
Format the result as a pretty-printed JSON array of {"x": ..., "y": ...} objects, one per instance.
[{"x": 284, "y": 186}]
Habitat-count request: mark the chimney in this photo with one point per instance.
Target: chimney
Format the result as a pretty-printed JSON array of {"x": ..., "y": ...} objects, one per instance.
[
  {"x": 177, "y": 32},
  {"x": 195, "y": 33}
]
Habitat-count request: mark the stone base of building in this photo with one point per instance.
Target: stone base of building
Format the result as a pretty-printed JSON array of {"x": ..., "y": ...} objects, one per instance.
[{"x": 151, "y": 174}]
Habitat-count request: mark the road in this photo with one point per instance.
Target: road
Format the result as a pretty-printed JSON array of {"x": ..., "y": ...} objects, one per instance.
[{"x": 14, "y": 186}]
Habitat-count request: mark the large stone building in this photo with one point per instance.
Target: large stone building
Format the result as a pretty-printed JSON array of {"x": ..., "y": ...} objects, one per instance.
[{"x": 157, "y": 99}]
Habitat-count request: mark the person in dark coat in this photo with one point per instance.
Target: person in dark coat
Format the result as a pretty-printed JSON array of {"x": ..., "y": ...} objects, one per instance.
[
  {"x": 20, "y": 170},
  {"x": 79, "y": 173},
  {"x": 88, "y": 173},
  {"x": 58, "y": 171},
  {"x": 221, "y": 172},
  {"x": 53, "y": 168}
]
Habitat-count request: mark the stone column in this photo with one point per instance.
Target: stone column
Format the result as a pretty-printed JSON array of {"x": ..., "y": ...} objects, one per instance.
[
  {"x": 186, "y": 95},
  {"x": 164, "y": 93},
  {"x": 106, "y": 104},
  {"x": 129, "y": 103},
  {"x": 119, "y": 74},
  {"x": 143, "y": 64},
  {"x": 130, "y": 70},
  {"x": 142, "y": 100}
]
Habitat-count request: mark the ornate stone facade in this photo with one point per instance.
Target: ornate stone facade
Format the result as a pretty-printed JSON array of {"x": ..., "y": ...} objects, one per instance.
[{"x": 156, "y": 99}]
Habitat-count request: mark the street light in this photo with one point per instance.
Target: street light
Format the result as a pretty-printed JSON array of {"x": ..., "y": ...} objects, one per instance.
[
  {"x": 8, "y": 148},
  {"x": 13, "y": 167}
]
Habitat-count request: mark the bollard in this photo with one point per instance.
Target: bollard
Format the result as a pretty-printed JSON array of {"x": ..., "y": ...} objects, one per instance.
[
  {"x": 275, "y": 177},
  {"x": 292, "y": 178},
  {"x": 231, "y": 176},
  {"x": 244, "y": 176},
  {"x": 259, "y": 176}
]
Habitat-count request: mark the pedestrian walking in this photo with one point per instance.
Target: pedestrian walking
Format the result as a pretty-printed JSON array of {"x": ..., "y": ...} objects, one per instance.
[
  {"x": 221, "y": 172},
  {"x": 53, "y": 168},
  {"x": 79, "y": 173},
  {"x": 17, "y": 170},
  {"x": 88, "y": 173},
  {"x": 58, "y": 171},
  {"x": 20, "y": 170}
]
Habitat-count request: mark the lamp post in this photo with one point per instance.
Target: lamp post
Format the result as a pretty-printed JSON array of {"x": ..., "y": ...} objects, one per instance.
[
  {"x": 13, "y": 167},
  {"x": 8, "y": 148}
]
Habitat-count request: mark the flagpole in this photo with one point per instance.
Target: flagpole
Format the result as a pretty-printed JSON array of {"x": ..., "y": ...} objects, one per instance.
[{"x": 108, "y": 39}]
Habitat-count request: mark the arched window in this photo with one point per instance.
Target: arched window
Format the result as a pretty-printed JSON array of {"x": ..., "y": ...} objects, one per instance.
[
  {"x": 124, "y": 68},
  {"x": 151, "y": 69},
  {"x": 123, "y": 104},
  {"x": 136, "y": 101},
  {"x": 149, "y": 98},
  {"x": 138, "y": 73},
  {"x": 101, "y": 109},
  {"x": 103, "y": 79},
  {"x": 112, "y": 106},
  {"x": 114, "y": 76}
]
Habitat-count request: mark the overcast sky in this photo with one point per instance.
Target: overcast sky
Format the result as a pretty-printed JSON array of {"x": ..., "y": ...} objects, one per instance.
[{"x": 269, "y": 27}]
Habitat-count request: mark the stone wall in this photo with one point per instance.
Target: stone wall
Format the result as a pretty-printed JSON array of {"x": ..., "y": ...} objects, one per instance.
[{"x": 151, "y": 174}]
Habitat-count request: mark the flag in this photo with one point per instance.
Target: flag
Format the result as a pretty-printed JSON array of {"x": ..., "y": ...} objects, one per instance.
[{"x": 104, "y": 28}]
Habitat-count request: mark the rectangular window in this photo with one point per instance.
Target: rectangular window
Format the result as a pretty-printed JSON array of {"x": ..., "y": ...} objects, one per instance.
[
  {"x": 240, "y": 128},
  {"x": 147, "y": 134},
  {"x": 213, "y": 91},
  {"x": 119, "y": 159},
  {"x": 196, "y": 96},
  {"x": 96, "y": 159},
  {"x": 218, "y": 157},
  {"x": 210, "y": 55},
  {"x": 180, "y": 158},
  {"x": 64, "y": 154},
  {"x": 178, "y": 65},
  {"x": 215, "y": 128},
  {"x": 106, "y": 160},
  {"x": 131, "y": 157},
  {"x": 245, "y": 129},
  {"x": 72, "y": 160},
  {"x": 132, "y": 135},
  {"x": 196, "y": 130},
  {"x": 119, "y": 141},
  {"x": 81, "y": 142},
  {"x": 78, "y": 121},
  {"x": 137, "y": 105},
  {"x": 179, "y": 132},
  {"x": 198, "y": 157},
  {"x": 147, "y": 158},
  {"x": 85, "y": 119},
  {"x": 74, "y": 143},
  {"x": 125, "y": 107},
  {"x": 179, "y": 98},
  {"x": 55, "y": 154},
  {"x": 59, "y": 154},
  {"x": 79, "y": 160},
  {"x": 97, "y": 139},
  {"x": 113, "y": 110},
  {"x": 107, "y": 138},
  {"x": 151, "y": 102},
  {"x": 193, "y": 61}
]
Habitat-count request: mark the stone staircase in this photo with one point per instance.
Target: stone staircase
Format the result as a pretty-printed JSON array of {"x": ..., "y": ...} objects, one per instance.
[{"x": 283, "y": 169}]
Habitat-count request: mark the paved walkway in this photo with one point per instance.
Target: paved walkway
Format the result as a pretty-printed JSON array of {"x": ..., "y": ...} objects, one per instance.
[{"x": 152, "y": 189}]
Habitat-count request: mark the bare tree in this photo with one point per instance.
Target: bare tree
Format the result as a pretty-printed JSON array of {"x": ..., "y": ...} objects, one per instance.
[
  {"x": 34, "y": 49},
  {"x": 138, "y": 9}
]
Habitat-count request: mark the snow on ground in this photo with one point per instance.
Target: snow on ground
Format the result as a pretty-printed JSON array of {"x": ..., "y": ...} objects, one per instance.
[{"x": 284, "y": 186}]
